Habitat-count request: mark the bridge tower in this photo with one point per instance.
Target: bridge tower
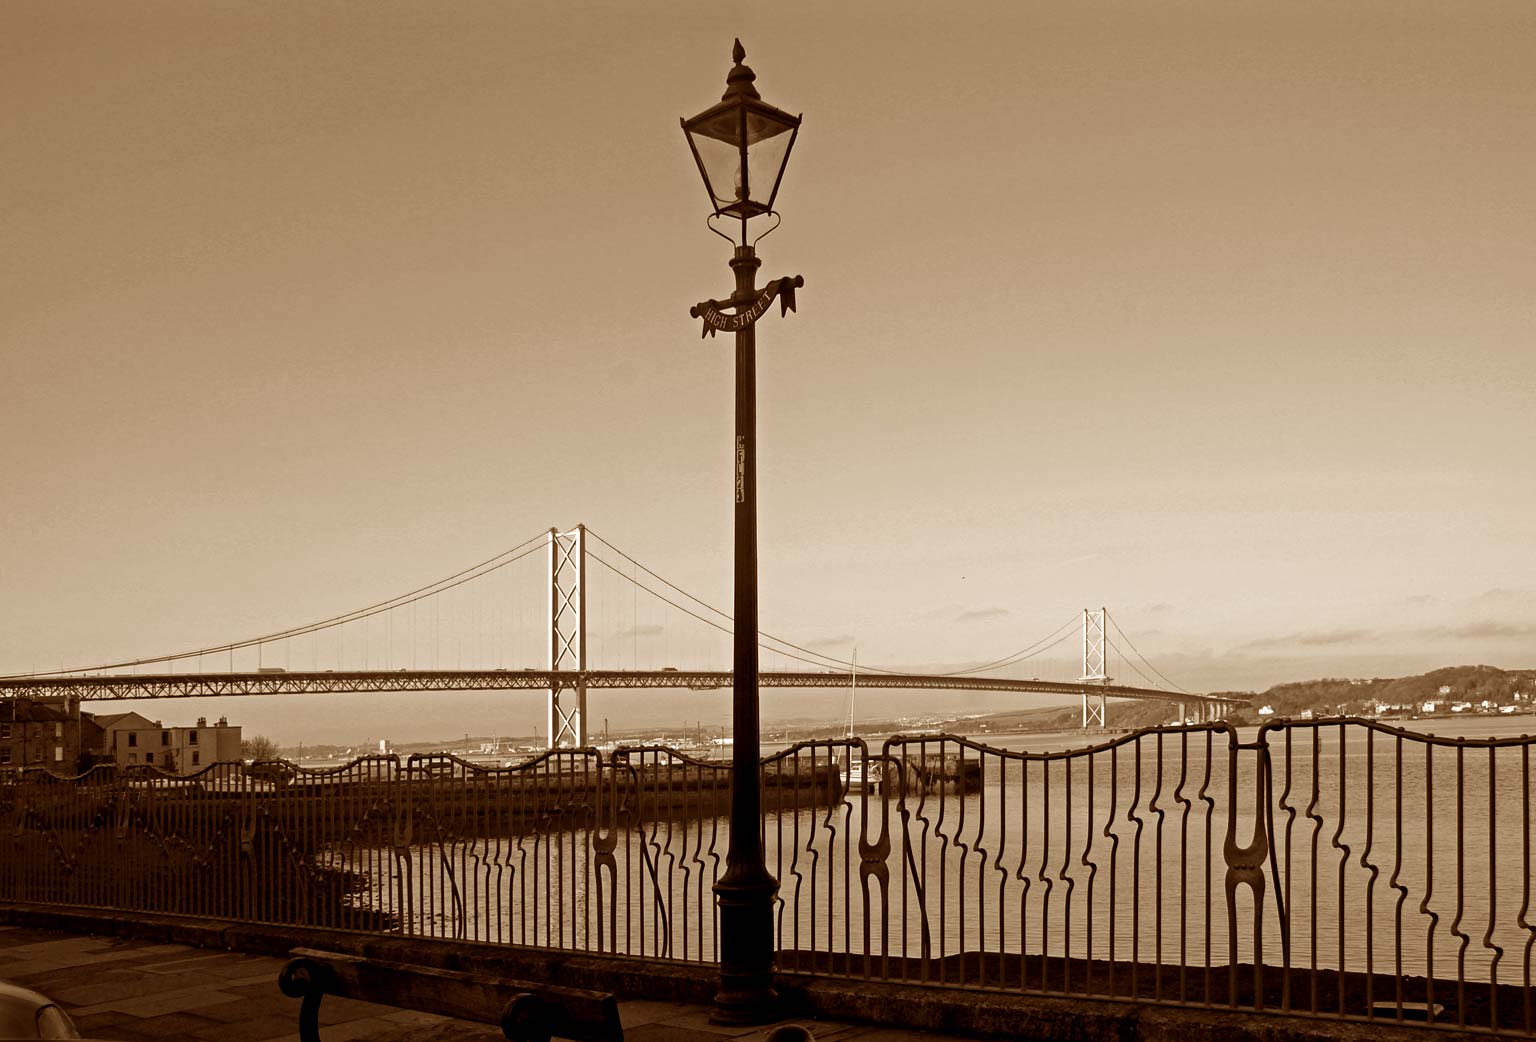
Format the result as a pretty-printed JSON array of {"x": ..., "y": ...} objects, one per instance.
[
  {"x": 568, "y": 636},
  {"x": 1095, "y": 663}
]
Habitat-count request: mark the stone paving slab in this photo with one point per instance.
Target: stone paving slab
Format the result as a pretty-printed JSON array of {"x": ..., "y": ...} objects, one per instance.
[{"x": 137, "y": 991}]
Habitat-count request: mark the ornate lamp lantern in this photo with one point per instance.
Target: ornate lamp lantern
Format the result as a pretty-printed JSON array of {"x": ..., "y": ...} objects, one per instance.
[{"x": 742, "y": 146}]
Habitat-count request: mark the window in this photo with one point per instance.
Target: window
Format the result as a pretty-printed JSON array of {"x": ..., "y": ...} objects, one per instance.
[
  {"x": 58, "y": 754},
  {"x": 5, "y": 754},
  {"x": 58, "y": 729},
  {"x": 165, "y": 738},
  {"x": 149, "y": 757},
  {"x": 195, "y": 757},
  {"x": 133, "y": 757},
  {"x": 5, "y": 730},
  {"x": 133, "y": 739},
  {"x": 191, "y": 737}
]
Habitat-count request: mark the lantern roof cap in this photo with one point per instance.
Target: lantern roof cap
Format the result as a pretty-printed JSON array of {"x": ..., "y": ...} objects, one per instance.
[{"x": 739, "y": 80}]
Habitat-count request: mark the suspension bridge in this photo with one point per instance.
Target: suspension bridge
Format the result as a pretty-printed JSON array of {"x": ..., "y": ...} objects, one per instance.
[{"x": 594, "y": 618}]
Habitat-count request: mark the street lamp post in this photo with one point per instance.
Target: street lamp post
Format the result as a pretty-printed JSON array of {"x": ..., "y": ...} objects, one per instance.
[{"x": 741, "y": 146}]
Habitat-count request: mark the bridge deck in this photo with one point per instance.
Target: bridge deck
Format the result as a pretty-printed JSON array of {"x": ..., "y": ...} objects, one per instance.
[{"x": 282, "y": 682}]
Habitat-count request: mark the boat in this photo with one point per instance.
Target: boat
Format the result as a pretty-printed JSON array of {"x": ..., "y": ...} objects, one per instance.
[{"x": 854, "y": 775}]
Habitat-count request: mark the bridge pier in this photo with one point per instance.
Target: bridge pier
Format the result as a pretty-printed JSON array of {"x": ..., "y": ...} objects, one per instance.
[
  {"x": 1093, "y": 714},
  {"x": 567, "y": 714}
]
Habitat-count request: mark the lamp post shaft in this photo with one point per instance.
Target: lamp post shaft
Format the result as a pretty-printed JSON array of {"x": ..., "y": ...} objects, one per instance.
[{"x": 746, "y": 889}]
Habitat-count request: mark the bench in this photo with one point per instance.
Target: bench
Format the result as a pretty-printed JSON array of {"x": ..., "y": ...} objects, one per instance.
[{"x": 526, "y": 1011}]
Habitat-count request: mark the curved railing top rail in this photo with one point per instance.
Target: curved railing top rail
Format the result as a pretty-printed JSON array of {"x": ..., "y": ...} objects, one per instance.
[
  {"x": 1398, "y": 732},
  {"x": 1215, "y": 727},
  {"x": 626, "y": 753}
]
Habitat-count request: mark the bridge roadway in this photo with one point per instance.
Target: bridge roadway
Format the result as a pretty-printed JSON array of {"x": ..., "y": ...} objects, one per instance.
[{"x": 281, "y": 682}]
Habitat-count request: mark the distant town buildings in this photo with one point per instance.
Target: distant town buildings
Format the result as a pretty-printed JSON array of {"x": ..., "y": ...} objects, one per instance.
[
  {"x": 40, "y": 733},
  {"x": 133, "y": 740},
  {"x": 55, "y": 734}
]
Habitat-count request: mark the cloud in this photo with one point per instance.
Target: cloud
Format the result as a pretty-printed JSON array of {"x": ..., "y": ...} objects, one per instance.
[
  {"x": 830, "y": 642},
  {"x": 1489, "y": 629},
  {"x": 982, "y": 614},
  {"x": 642, "y": 631},
  {"x": 1314, "y": 639},
  {"x": 1502, "y": 595},
  {"x": 1158, "y": 608},
  {"x": 1422, "y": 598}
]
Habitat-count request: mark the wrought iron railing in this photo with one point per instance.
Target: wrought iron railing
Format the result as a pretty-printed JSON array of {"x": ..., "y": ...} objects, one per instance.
[{"x": 1329, "y": 868}]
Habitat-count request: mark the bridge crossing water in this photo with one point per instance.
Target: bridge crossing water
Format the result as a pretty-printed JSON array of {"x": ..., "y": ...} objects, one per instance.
[{"x": 596, "y": 618}]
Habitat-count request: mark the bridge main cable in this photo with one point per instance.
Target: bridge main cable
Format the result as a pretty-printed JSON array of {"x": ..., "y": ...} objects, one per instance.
[{"x": 476, "y": 571}]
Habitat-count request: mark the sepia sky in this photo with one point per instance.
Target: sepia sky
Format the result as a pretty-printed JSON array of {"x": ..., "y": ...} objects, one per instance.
[{"x": 1219, "y": 314}]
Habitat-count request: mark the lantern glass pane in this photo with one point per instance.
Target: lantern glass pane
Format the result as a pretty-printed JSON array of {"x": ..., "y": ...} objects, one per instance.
[
  {"x": 765, "y": 159},
  {"x": 724, "y": 125},
  {"x": 761, "y": 125},
  {"x": 722, "y": 168}
]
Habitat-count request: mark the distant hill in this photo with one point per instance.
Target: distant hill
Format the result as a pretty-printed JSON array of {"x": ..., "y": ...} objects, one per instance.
[
  {"x": 1360, "y": 696},
  {"x": 1356, "y": 696}
]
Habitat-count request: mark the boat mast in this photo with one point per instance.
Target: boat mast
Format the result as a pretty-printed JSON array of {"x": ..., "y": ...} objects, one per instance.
[{"x": 853, "y": 688}]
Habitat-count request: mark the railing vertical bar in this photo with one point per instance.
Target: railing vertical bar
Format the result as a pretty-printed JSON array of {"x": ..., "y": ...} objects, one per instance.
[
  {"x": 1525, "y": 904},
  {"x": 1045, "y": 881},
  {"x": 981, "y": 865},
  {"x": 909, "y": 882},
  {"x": 846, "y": 807},
  {"x": 941, "y": 833},
  {"x": 1397, "y": 867},
  {"x": 544, "y": 854},
  {"x": 1087, "y": 861},
  {"x": 1021, "y": 873},
  {"x": 1068, "y": 885},
  {"x": 1429, "y": 875},
  {"x": 1179, "y": 798},
  {"x": 1210, "y": 814},
  {"x": 1130, "y": 814},
  {"x": 1113, "y": 836},
  {"x": 1157, "y": 917},
  {"x": 963, "y": 912},
  {"x": 1493, "y": 893},
  {"x": 1461, "y": 862},
  {"x": 1286, "y": 999},
  {"x": 709, "y": 790},
  {"x": 1317, "y": 827},
  {"x": 924, "y": 789},
  {"x": 1337, "y": 843},
  {"x": 1370, "y": 888},
  {"x": 794, "y": 869}
]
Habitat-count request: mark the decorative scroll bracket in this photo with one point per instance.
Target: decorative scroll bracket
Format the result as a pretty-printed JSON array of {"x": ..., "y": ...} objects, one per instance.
[{"x": 717, "y": 320}]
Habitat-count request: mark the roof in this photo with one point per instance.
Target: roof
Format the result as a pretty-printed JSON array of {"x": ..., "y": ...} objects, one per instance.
[
  {"x": 22, "y": 709},
  {"x": 125, "y": 722}
]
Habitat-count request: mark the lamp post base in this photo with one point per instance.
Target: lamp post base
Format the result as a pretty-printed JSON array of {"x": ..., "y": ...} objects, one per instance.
[{"x": 746, "y": 993}]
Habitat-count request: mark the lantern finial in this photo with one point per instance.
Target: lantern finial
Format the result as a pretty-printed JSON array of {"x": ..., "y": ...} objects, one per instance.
[{"x": 739, "y": 79}]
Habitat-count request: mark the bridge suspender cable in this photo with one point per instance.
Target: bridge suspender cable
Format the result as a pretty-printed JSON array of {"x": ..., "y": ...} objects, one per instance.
[
  {"x": 486, "y": 567},
  {"x": 1144, "y": 659},
  {"x": 818, "y": 658}
]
